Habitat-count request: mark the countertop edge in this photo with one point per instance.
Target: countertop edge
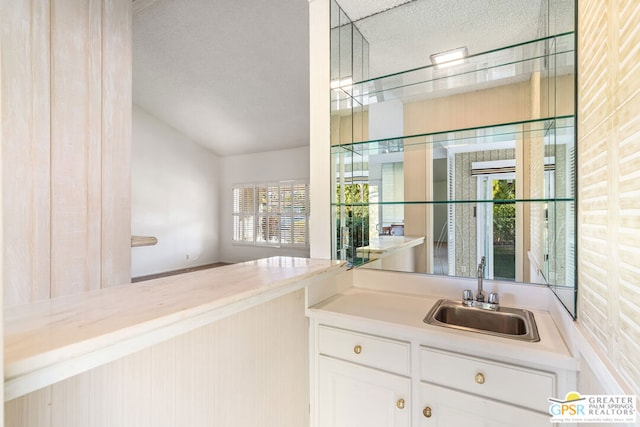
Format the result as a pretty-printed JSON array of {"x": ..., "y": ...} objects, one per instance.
[
  {"x": 32, "y": 373},
  {"x": 450, "y": 339}
]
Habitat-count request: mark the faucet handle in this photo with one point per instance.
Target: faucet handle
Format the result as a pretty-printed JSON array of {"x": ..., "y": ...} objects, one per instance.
[
  {"x": 493, "y": 298},
  {"x": 467, "y": 295}
]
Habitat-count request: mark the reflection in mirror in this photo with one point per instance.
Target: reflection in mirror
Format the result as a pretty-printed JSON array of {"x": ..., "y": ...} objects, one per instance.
[{"x": 435, "y": 167}]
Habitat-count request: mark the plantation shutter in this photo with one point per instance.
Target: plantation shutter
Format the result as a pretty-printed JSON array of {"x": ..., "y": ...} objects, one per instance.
[{"x": 243, "y": 218}]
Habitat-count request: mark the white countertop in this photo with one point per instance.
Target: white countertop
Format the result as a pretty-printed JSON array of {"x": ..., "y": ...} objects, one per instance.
[
  {"x": 385, "y": 244},
  {"x": 385, "y": 312},
  {"x": 47, "y": 341}
]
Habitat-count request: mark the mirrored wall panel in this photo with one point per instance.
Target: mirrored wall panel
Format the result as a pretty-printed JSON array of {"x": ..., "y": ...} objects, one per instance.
[{"x": 450, "y": 160}]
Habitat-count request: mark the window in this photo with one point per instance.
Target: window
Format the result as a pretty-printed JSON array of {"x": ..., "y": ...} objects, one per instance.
[{"x": 271, "y": 214}]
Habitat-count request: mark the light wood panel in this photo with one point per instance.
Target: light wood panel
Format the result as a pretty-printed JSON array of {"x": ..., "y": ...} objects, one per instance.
[
  {"x": 249, "y": 369},
  {"x": 75, "y": 145},
  {"x": 116, "y": 143},
  {"x": 66, "y": 80},
  {"x": 25, "y": 149},
  {"x": 608, "y": 184}
]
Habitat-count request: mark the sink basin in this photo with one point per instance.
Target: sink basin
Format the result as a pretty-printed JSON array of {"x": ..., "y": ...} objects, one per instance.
[{"x": 507, "y": 322}]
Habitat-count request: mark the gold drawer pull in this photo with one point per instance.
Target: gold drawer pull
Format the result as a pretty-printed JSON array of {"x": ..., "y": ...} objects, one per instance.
[
  {"x": 357, "y": 349},
  {"x": 427, "y": 412},
  {"x": 479, "y": 378},
  {"x": 400, "y": 403}
]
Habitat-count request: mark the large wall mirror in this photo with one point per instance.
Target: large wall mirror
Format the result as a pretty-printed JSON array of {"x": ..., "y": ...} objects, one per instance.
[{"x": 453, "y": 138}]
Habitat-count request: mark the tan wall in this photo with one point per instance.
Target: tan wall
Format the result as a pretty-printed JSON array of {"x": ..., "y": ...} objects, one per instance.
[
  {"x": 502, "y": 104},
  {"x": 563, "y": 91},
  {"x": 608, "y": 181},
  {"x": 247, "y": 370},
  {"x": 349, "y": 128},
  {"x": 66, "y": 138}
]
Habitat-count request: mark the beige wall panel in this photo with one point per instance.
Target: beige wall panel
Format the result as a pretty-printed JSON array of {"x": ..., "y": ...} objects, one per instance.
[
  {"x": 361, "y": 126},
  {"x": 116, "y": 143},
  {"x": 608, "y": 181},
  {"x": 71, "y": 401},
  {"x": 593, "y": 65},
  {"x": 32, "y": 410},
  {"x": 250, "y": 369},
  {"x": 627, "y": 83},
  {"x": 418, "y": 170},
  {"x": 346, "y": 130},
  {"x": 349, "y": 128},
  {"x": 335, "y": 123},
  {"x": 26, "y": 150},
  {"x": 626, "y": 121},
  {"x": 107, "y": 380},
  {"x": 75, "y": 145},
  {"x": 563, "y": 91},
  {"x": 136, "y": 389},
  {"x": 485, "y": 107}
]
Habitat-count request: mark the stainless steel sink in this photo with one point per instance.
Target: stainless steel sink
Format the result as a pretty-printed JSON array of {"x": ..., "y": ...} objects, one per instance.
[{"x": 505, "y": 322}]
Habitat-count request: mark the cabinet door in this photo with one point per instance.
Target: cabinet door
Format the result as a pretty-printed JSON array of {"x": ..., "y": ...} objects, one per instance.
[
  {"x": 449, "y": 408},
  {"x": 353, "y": 395}
]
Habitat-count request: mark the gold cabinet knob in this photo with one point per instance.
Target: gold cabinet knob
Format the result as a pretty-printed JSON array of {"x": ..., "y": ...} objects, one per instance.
[
  {"x": 479, "y": 378},
  {"x": 357, "y": 349},
  {"x": 427, "y": 411},
  {"x": 400, "y": 403}
]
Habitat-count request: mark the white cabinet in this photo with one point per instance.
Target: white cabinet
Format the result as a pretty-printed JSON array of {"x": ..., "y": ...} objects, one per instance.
[
  {"x": 353, "y": 395},
  {"x": 443, "y": 407},
  {"x": 462, "y": 390},
  {"x": 507, "y": 383},
  {"x": 363, "y": 380},
  {"x": 365, "y": 349}
]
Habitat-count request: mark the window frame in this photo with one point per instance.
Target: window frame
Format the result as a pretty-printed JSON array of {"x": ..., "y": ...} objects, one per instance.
[{"x": 274, "y": 210}]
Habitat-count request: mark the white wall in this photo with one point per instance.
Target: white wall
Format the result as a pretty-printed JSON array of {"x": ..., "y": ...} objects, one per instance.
[
  {"x": 250, "y": 168},
  {"x": 386, "y": 119},
  {"x": 175, "y": 197}
]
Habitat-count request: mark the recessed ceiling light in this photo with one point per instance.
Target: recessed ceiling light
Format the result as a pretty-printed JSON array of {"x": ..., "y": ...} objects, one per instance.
[{"x": 449, "y": 58}]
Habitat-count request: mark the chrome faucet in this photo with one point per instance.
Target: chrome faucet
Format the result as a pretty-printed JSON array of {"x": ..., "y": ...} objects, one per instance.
[
  {"x": 480, "y": 295},
  {"x": 479, "y": 302}
]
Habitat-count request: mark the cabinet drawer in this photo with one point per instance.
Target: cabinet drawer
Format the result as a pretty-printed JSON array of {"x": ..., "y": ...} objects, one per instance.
[
  {"x": 377, "y": 352},
  {"x": 443, "y": 407},
  {"x": 508, "y": 383}
]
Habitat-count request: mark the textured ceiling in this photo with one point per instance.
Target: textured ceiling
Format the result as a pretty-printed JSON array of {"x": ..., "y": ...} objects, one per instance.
[
  {"x": 234, "y": 75},
  {"x": 408, "y": 32},
  {"x": 230, "y": 75}
]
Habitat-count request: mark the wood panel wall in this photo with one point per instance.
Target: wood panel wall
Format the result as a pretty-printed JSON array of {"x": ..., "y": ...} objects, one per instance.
[
  {"x": 247, "y": 370},
  {"x": 609, "y": 181},
  {"x": 66, "y": 138}
]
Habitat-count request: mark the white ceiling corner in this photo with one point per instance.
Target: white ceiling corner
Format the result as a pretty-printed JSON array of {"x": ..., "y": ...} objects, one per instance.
[
  {"x": 230, "y": 75},
  {"x": 234, "y": 75}
]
